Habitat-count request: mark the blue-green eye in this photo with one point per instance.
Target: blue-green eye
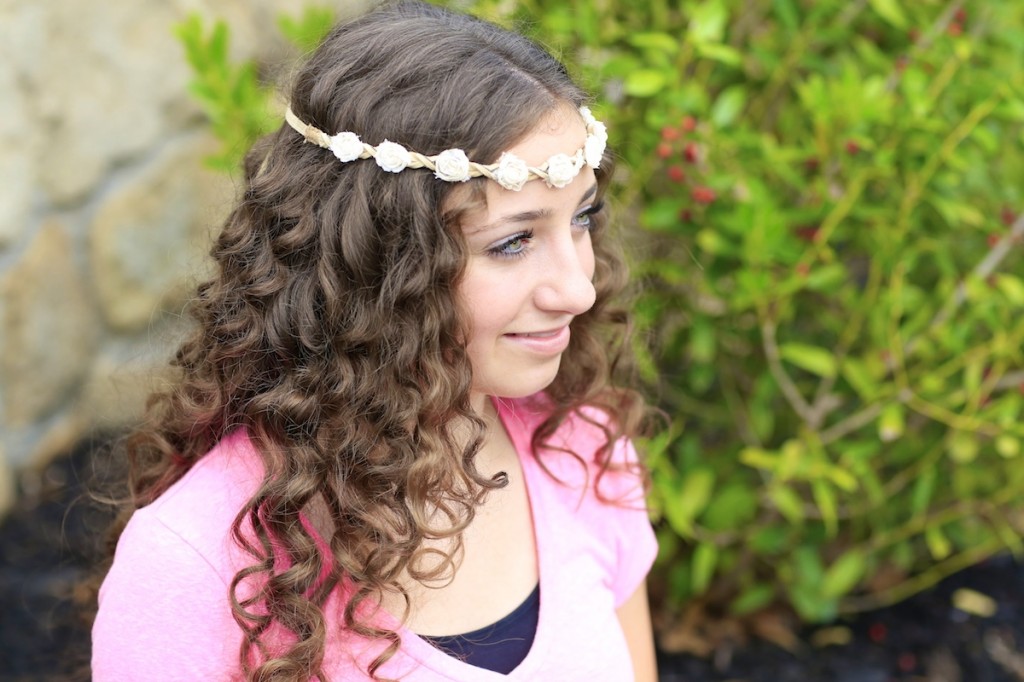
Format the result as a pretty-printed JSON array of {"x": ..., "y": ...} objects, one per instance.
[
  {"x": 515, "y": 245},
  {"x": 585, "y": 218}
]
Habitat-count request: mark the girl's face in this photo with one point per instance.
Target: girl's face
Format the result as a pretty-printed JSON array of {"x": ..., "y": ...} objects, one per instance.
[{"x": 530, "y": 268}]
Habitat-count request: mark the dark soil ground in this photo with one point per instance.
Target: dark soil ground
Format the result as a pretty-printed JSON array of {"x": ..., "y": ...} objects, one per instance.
[{"x": 50, "y": 541}]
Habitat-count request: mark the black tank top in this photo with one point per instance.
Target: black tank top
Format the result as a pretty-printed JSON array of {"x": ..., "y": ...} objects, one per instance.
[{"x": 500, "y": 646}]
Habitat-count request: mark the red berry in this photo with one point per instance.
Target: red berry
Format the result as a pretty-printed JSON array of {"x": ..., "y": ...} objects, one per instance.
[
  {"x": 960, "y": 16},
  {"x": 688, "y": 124},
  {"x": 993, "y": 239},
  {"x": 877, "y": 632},
  {"x": 812, "y": 164},
  {"x": 852, "y": 148},
  {"x": 676, "y": 174},
  {"x": 664, "y": 150},
  {"x": 691, "y": 152},
  {"x": 907, "y": 662},
  {"x": 686, "y": 215},
  {"x": 803, "y": 269},
  {"x": 702, "y": 194},
  {"x": 955, "y": 29},
  {"x": 669, "y": 134},
  {"x": 1007, "y": 216}
]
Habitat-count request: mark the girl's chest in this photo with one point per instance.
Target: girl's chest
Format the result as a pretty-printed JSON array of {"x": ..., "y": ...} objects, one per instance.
[{"x": 491, "y": 574}]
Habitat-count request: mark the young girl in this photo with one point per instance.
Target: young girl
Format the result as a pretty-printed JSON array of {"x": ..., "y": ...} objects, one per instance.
[{"x": 394, "y": 450}]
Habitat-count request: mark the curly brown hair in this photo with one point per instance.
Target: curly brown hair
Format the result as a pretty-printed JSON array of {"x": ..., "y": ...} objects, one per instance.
[{"x": 331, "y": 328}]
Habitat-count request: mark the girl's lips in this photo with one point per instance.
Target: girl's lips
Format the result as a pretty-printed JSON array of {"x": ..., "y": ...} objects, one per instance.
[{"x": 549, "y": 342}]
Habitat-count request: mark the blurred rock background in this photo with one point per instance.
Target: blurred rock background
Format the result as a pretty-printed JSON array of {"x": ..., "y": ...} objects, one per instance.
[{"x": 106, "y": 211}]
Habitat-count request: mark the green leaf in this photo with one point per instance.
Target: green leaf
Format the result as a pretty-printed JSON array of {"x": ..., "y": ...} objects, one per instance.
[
  {"x": 939, "y": 545},
  {"x": 811, "y": 358},
  {"x": 859, "y": 377},
  {"x": 690, "y": 500},
  {"x": 788, "y": 503},
  {"x": 654, "y": 40},
  {"x": 705, "y": 558},
  {"x": 770, "y": 540},
  {"x": 826, "y": 278},
  {"x": 1012, "y": 287},
  {"x": 1007, "y": 446},
  {"x": 662, "y": 214},
  {"x": 728, "y": 106},
  {"x": 807, "y": 561},
  {"x": 891, "y": 423},
  {"x": 645, "y": 83},
  {"x": 752, "y": 599},
  {"x": 733, "y": 507},
  {"x": 810, "y": 605},
  {"x": 308, "y": 30},
  {"x": 891, "y": 11},
  {"x": 843, "y": 574},
  {"x": 680, "y": 580},
  {"x": 843, "y": 479},
  {"x": 702, "y": 341},
  {"x": 924, "y": 488},
  {"x": 758, "y": 458},
  {"x": 218, "y": 45},
  {"x": 963, "y": 447},
  {"x": 712, "y": 242},
  {"x": 707, "y": 21},
  {"x": 825, "y": 498},
  {"x": 720, "y": 53},
  {"x": 786, "y": 11}
]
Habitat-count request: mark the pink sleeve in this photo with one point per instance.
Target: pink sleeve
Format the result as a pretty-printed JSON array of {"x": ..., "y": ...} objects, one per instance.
[
  {"x": 163, "y": 612},
  {"x": 636, "y": 545}
]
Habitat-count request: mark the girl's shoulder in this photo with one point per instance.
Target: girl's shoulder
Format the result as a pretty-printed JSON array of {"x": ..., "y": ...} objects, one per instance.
[
  {"x": 220, "y": 482},
  {"x": 583, "y": 452},
  {"x": 200, "y": 508}
]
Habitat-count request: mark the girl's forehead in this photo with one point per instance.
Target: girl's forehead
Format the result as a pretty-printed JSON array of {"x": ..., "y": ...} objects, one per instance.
[{"x": 562, "y": 131}]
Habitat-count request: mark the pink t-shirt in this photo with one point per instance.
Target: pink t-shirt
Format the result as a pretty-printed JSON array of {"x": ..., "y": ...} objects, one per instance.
[{"x": 165, "y": 612}]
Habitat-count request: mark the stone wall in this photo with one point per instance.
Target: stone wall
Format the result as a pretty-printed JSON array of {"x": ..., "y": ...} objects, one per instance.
[{"x": 105, "y": 208}]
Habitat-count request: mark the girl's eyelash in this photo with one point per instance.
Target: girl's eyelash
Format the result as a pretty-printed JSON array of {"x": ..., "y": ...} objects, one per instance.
[
  {"x": 503, "y": 250},
  {"x": 589, "y": 212}
]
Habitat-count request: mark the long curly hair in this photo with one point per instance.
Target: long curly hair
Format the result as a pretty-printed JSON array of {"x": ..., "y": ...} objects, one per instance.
[{"x": 331, "y": 328}]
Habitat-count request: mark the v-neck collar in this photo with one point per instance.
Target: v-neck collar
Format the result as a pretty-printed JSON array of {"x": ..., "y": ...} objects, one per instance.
[{"x": 519, "y": 428}]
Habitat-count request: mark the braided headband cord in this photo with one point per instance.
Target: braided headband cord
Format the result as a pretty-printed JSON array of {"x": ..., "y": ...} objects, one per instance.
[{"x": 452, "y": 165}]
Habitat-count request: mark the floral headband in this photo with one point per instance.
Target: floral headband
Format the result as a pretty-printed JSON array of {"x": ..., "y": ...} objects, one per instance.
[{"x": 452, "y": 165}]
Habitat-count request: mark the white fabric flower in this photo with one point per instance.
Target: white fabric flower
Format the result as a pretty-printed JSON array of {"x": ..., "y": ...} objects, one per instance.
[
  {"x": 452, "y": 165},
  {"x": 561, "y": 169},
  {"x": 598, "y": 130},
  {"x": 392, "y": 157},
  {"x": 588, "y": 117},
  {"x": 593, "y": 151},
  {"x": 512, "y": 172},
  {"x": 346, "y": 146}
]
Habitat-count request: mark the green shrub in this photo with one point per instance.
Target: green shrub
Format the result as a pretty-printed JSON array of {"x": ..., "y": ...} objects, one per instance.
[
  {"x": 828, "y": 197},
  {"x": 833, "y": 283},
  {"x": 239, "y": 106}
]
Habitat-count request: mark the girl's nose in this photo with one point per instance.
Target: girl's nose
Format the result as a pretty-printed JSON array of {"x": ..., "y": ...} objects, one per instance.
[{"x": 567, "y": 285}]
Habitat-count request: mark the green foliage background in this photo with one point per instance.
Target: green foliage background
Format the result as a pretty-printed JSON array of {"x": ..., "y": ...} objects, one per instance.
[{"x": 826, "y": 202}]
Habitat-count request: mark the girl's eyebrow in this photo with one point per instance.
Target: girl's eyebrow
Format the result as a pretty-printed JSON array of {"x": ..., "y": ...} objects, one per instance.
[{"x": 528, "y": 216}]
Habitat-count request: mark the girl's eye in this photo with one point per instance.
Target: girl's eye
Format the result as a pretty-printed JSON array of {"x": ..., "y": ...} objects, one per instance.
[
  {"x": 515, "y": 245},
  {"x": 585, "y": 218}
]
